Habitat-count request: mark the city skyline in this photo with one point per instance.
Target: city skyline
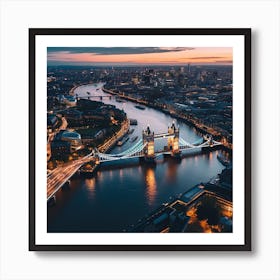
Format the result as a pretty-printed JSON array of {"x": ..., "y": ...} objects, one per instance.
[
  {"x": 114, "y": 126},
  {"x": 139, "y": 56}
]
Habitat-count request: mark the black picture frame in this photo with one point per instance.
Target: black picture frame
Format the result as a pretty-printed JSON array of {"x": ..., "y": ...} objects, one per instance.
[{"x": 246, "y": 32}]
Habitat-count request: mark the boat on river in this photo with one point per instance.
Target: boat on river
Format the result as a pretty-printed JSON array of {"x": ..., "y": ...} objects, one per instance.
[
  {"x": 134, "y": 139},
  {"x": 131, "y": 131},
  {"x": 87, "y": 170},
  {"x": 133, "y": 122},
  {"x": 120, "y": 100},
  {"x": 139, "y": 107},
  {"x": 121, "y": 142}
]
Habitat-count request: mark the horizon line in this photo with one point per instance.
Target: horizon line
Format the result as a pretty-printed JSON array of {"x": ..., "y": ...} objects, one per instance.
[{"x": 140, "y": 64}]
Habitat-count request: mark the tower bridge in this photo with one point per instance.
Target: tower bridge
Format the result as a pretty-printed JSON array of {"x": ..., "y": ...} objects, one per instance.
[{"x": 144, "y": 148}]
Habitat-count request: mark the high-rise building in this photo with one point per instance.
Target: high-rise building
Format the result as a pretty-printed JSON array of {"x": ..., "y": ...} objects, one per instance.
[{"x": 135, "y": 80}]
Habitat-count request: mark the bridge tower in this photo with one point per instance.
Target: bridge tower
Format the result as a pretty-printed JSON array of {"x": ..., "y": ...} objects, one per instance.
[
  {"x": 210, "y": 141},
  {"x": 173, "y": 140},
  {"x": 148, "y": 141}
]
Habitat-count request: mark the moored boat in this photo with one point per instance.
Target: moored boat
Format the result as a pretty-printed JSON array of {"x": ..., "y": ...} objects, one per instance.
[
  {"x": 133, "y": 122},
  {"x": 121, "y": 142},
  {"x": 139, "y": 107},
  {"x": 134, "y": 139}
]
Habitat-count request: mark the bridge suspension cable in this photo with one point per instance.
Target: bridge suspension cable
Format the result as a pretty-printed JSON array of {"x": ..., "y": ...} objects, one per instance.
[
  {"x": 185, "y": 143},
  {"x": 137, "y": 149},
  {"x": 126, "y": 154},
  {"x": 139, "y": 143},
  {"x": 198, "y": 143}
]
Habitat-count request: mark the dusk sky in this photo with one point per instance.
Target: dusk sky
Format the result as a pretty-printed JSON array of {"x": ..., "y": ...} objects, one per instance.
[{"x": 138, "y": 55}]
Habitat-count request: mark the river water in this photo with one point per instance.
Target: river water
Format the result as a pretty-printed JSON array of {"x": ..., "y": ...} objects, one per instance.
[{"x": 123, "y": 192}]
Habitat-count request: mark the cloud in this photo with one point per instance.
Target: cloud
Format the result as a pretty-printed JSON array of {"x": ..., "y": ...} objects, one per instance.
[
  {"x": 223, "y": 61},
  {"x": 206, "y": 57},
  {"x": 115, "y": 50}
]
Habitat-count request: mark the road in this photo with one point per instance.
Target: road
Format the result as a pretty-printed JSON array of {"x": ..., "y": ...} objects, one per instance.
[{"x": 57, "y": 178}]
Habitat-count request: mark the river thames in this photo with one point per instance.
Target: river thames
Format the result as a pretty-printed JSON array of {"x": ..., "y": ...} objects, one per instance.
[{"x": 122, "y": 193}]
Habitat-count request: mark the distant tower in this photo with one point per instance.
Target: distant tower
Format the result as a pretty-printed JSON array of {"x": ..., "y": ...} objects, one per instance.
[{"x": 189, "y": 68}]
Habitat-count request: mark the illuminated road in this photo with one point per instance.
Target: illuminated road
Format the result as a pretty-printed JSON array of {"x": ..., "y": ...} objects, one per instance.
[{"x": 57, "y": 178}]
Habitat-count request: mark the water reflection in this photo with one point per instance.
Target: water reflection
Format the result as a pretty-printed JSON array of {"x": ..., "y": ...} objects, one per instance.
[
  {"x": 151, "y": 184},
  {"x": 121, "y": 174},
  {"x": 171, "y": 172},
  {"x": 90, "y": 185},
  {"x": 210, "y": 157}
]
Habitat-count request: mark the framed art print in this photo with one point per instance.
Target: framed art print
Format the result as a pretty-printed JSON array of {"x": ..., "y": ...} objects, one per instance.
[{"x": 140, "y": 139}]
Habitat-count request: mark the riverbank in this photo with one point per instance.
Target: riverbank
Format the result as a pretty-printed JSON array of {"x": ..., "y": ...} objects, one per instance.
[
  {"x": 109, "y": 91},
  {"x": 109, "y": 144},
  {"x": 227, "y": 147},
  {"x": 179, "y": 213},
  {"x": 71, "y": 92}
]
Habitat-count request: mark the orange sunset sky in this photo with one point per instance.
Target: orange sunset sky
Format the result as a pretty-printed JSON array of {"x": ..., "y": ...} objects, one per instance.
[{"x": 138, "y": 55}]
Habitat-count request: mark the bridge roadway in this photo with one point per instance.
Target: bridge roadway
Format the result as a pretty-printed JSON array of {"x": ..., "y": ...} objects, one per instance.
[
  {"x": 163, "y": 135},
  {"x": 185, "y": 148},
  {"x": 60, "y": 175}
]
